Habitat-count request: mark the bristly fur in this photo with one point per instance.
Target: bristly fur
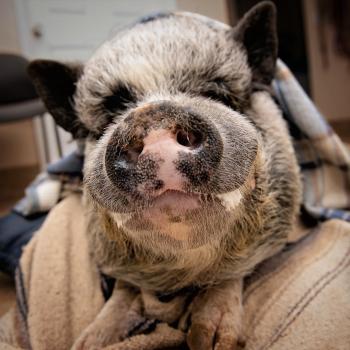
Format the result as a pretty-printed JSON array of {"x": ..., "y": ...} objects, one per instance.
[
  {"x": 258, "y": 229},
  {"x": 196, "y": 68},
  {"x": 210, "y": 68}
]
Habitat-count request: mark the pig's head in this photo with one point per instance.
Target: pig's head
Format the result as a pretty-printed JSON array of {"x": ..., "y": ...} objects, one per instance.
[{"x": 176, "y": 155}]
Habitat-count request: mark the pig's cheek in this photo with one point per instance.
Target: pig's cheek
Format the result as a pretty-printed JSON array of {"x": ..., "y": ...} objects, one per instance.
[{"x": 231, "y": 200}]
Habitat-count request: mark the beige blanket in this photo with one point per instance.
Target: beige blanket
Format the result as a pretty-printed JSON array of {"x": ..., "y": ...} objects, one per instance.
[{"x": 299, "y": 299}]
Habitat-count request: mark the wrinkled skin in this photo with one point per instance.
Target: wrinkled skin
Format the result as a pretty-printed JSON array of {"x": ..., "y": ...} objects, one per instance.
[{"x": 190, "y": 178}]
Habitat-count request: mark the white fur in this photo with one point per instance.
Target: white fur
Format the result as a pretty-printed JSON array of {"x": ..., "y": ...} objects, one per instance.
[
  {"x": 120, "y": 218},
  {"x": 230, "y": 200}
]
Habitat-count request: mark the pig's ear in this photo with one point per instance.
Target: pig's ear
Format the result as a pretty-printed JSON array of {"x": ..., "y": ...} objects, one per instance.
[
  {"x": 257, "y": 33},
  {"x": 55, "y": 83}
]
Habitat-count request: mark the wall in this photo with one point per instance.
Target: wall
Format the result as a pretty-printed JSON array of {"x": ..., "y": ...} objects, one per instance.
[
  {"x": 215, "y": 9},
  {"x": 17, "y": 142},
  {"x": 330, "y": 87},
  {"x": 9, "y": 40}
]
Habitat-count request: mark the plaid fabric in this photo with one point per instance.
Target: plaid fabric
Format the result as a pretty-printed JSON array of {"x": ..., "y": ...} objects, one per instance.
[
  {"x": 58, "y": 181},
  {"x": 40, "y": 196},
  {"x": 323, "y": 158}
]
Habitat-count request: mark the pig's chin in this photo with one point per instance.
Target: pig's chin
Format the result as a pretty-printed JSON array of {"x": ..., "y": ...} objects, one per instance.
[{"x": 170, "y": 214}]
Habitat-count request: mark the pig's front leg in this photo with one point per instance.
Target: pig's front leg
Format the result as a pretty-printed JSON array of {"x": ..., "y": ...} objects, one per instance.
[
  {"x": 216, "y": 318},
  {"x": 118, "y": 317}
]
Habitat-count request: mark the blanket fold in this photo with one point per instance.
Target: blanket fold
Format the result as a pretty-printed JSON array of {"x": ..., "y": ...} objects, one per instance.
[
  {"x": 297, "y": 299},
  {"x": 57, "y": 281}
]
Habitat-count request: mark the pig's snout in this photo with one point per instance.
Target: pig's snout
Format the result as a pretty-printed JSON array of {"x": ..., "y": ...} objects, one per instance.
[
  {"x": 166, "y": 146},
  {"x": 168, "y": 149}
]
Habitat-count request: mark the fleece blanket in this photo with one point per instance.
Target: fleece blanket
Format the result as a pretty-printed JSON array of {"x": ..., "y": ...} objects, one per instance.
[{"x": 299, "y": 299}]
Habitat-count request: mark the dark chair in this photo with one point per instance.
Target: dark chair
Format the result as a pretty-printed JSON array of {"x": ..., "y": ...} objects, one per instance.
[{"x": 18, "y": 98}]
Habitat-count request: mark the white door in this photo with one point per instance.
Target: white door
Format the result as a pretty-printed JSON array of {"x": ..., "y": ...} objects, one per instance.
[{"x": 72, "y": 30}]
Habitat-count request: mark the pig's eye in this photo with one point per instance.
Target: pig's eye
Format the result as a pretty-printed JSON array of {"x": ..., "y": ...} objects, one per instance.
[
  {"x": 121, "y": 98},
  {"x": 220, "y": 97},
  {"x": 217, "y": 89}
]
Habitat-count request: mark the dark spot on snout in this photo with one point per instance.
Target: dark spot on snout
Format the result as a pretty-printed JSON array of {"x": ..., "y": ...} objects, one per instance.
[
  {"x": 146, "y": 168},
  {"x": 197, "y": 169},
  {"x": 126, "y": 169},
  {"x": 157, "y": 184}
]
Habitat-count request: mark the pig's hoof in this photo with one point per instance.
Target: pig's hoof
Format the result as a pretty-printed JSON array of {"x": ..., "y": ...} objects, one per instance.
[
  {"x": 216, "y": 318},
  {"x": 214, "y": 334}
]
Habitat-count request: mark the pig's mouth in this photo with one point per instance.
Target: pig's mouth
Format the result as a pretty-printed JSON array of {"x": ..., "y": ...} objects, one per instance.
[
  {"x": 177, "y": 199},
  {"x": 182, "y": 216},
  {"x": 179, "y": 202},
  {"x": 183, "y": 201}
]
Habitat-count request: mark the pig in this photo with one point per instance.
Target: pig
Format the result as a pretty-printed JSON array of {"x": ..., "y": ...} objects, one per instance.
[{"x": 190, "y": 177}]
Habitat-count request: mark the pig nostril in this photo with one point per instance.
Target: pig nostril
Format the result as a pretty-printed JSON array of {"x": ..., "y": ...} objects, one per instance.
[
  {"x": 133, "y": 151},
  {"x": 138, "y": 148},
  {"x": 188, "y": 138}
]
